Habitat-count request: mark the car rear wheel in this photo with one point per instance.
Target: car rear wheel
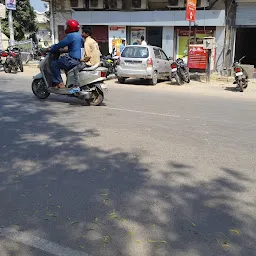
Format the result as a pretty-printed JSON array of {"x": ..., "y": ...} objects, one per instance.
[{"x": 153, "y": 81}]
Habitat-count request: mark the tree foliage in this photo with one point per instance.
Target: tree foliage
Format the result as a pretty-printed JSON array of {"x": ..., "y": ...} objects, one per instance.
[{"x": 24, "y": 20}]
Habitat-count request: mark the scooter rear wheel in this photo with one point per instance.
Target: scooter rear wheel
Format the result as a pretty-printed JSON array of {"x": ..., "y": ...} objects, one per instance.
[
  {"x": 97, "y": 99},
  {"x": 39, "y": 89}
]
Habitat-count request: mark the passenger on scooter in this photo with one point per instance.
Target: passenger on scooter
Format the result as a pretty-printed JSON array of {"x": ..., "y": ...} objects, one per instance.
[
  {"x": 74, "y": 42},
  {"x": 91, "y": 48}
]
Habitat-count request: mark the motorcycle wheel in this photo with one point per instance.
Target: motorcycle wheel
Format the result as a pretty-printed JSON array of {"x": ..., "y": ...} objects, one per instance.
[
  {"x": 97, "y": 98},
  {"x": 245, "y": 84},
  {"x": 21, "y": 67},
  {"x": 178, "y": 79},
  {"x": 185, "y": 75},
  {"x": 7, "y": 69},
  {"x": 39, "y": 89},
  {"x": 240, "y": 85}
]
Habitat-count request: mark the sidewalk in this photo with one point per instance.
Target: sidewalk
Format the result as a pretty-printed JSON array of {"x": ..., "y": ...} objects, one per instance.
[{"x": 223, "y": 87}]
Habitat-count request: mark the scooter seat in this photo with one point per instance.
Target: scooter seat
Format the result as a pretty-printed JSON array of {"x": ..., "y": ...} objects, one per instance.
[
  {"x": 92, "y": 68},
  {"x": 81, "y": 67}
]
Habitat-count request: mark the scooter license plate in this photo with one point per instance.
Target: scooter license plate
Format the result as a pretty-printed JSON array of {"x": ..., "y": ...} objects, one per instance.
[
  {"x": 174, "y": 69},
  {"x": 239, "y": 73}
]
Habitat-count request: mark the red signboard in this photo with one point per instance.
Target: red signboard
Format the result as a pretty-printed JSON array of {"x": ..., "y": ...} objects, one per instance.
[
  {"x": 197, "y": 57},
  {"x": 191, "y": 10}
]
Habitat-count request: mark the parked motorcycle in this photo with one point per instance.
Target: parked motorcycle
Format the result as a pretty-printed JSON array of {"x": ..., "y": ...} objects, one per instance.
[
  {"x": 3, "y": 54},
  {"x": 241, "y": 76},
  {"x": 13, "y": 60},
  {"x": 180, "y": 72},
  {"x": 91, "y": 82},
  {"x": 110, "y": 62}
]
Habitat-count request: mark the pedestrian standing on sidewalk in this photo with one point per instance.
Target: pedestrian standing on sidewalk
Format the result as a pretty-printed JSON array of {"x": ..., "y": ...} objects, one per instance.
[{"x": 143, "y": 42}]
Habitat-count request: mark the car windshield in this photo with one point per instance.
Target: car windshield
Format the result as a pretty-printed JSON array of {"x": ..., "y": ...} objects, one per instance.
[{"x": 135, "y": 52}]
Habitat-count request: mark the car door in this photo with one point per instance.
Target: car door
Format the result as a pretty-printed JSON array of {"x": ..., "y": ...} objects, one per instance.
[
  {"x": 157, "y": 59},
  {"x": 166, "y": 63},
  {"x": 159, "y": 62}
]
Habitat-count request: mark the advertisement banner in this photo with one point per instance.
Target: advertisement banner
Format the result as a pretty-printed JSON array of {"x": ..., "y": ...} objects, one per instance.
[
  {"x": 10, "y": 4},
  {"x": 116, "y": 35},
  {"x": 136, "y": 33},
  {"x": 191, "y": 10}
]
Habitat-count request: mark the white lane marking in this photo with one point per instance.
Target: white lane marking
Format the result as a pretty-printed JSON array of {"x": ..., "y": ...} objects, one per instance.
[
  {"x": 39, "y": 243},
  {"x": 142, "y": 112}
]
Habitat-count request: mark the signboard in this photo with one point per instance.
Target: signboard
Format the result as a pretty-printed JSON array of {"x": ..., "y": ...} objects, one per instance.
[
  {"x": 197, "y": 57},
  {"x": 191, "y": 10},
  {"x": 116, "y": 35},
  {"x": 10, "y": 4},
  {"x": 2, "y": 11}
]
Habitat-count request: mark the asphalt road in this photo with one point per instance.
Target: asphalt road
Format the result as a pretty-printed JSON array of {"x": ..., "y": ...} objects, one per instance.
[{"x": 152, "y": 172}]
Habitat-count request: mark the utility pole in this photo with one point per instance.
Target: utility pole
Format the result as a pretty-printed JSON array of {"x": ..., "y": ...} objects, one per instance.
[
  {"x": 52, "y": 21},
  {"x": 11, "y": 6},
  {"x": 2, "y": 16},
  {"x": 1, "y": 39},
  {"x": 10, "y": 19}
]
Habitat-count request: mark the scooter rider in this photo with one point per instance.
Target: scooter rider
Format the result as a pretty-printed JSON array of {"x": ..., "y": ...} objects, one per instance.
[{"x": 74, "y": 42}]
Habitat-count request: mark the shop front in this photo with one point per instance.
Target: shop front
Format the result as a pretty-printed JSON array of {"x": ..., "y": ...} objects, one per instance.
[
  {"x": 245, "y": 32},
  {"x": 194, "y": 36},
  {"x": 152, "y": 35}
]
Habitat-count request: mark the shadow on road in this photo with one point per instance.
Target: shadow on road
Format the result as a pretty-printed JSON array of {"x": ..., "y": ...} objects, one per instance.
[
  {"x": 103, "y": 202},
  {"x": 232, "y": 89}
]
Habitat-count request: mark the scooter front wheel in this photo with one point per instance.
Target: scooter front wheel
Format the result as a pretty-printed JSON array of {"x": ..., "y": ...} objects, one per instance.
[{"x": 39, "y": 89}]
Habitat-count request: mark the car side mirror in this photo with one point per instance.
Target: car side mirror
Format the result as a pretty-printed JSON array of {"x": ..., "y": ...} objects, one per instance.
[{"x": 170, "y": 58}]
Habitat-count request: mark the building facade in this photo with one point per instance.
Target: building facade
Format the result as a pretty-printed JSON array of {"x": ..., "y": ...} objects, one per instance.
[
  {"x": 162, "y": 23},
  {"x": 245, "y": 31}
]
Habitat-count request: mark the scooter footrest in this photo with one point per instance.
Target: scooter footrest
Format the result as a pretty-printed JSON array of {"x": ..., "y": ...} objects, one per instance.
[{"x": 64, "y": 91}]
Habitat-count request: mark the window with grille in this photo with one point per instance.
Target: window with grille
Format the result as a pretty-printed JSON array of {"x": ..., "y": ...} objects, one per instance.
[
  {"x": 173, "y": 2},
  {"x": 136, "y": 3},
  {"x": 94, "y": 3},
  {"x": 74, "y": 3},
  {"x": 112, "y": 4}
]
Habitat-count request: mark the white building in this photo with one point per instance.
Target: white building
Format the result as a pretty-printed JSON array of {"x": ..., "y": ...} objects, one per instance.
[
  {"x": 43, "y": 34},
  {"x": 161, "y": 22}
]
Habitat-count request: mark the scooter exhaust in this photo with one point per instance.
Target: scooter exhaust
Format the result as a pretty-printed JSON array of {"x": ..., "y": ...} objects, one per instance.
[{"x": 86, "y": 95}]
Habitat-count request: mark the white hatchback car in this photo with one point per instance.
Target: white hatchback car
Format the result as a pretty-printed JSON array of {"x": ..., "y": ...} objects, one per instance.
[{"x": 144, "y": 62}]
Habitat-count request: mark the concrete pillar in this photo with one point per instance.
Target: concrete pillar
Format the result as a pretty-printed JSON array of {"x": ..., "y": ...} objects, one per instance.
[
  {"x": 168, "y": 37},
  {"x": 220, "y": 43}
]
